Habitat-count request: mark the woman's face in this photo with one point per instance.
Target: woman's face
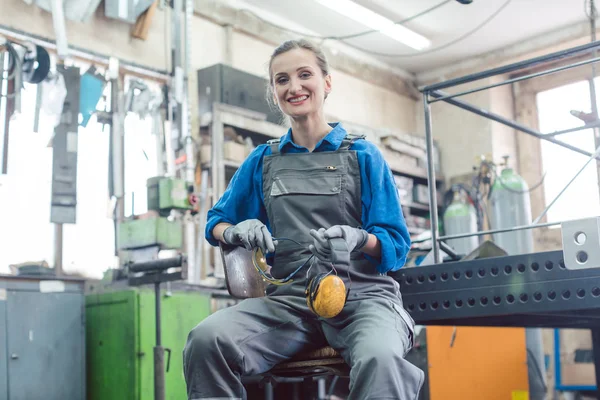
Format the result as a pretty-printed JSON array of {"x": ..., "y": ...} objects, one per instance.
[{"x": 299, "y": 86}]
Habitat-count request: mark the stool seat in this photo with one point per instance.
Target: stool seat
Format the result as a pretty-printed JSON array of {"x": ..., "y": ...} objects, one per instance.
[
  {"x": 323, "y": 361},
  {"x": 324, "y": 352}
]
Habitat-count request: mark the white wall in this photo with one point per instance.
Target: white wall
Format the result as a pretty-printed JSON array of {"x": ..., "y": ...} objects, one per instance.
[
  {"x": 461, "y": 135},
  {"x": 504, "y": 140}
]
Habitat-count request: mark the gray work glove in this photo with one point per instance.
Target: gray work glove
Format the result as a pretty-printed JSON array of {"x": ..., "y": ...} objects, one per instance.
[
  {"x": 355, "y": 239},
  {"x": 250, "y": 233}
]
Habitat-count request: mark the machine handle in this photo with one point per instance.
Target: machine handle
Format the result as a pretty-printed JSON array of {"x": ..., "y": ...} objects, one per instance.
[
  {"x": 168, "y": 351},
  {"x": 157, "y": 265},
  {"x": 14, "y": 356}
]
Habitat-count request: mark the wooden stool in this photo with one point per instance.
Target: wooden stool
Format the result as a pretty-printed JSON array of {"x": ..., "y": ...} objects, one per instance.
[{"x": 243, "y": 281}]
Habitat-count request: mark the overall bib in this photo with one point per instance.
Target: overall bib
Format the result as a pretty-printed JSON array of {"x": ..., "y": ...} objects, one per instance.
[{"x": 304, "y": 191}]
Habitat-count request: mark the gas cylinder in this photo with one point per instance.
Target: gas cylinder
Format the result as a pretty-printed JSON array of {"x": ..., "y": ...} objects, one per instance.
[
  {"x": 460, "y": 217},
  {"x": 510, "y": 207}
]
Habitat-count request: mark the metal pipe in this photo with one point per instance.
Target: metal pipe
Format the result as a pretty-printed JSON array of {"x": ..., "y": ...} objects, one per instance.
[
  {"x": 593, "y": 87},
  {"x": 118, "y": 148},
  {"x": 74, "y": 51},
  {"x": 189, "y": 144},
  {"x": 3, "y": 120},
  {"x": 159, "y": 351},
  {"x": 512, "y": 124},
  {"x": 511, "y": 67},
  {"x": 431, "y": 180},
  {"x": 595, "y": 155},
  {"x": 157, "y": 310},
  {"x": 489, "y": 232},
  {"x": 514, "y": 80},
  {"x": 58, "y": 249},
  {"x": 579, "y": 128}
]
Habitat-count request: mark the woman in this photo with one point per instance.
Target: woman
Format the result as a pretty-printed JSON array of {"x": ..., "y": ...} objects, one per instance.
[{"x": 314, "y": 184}]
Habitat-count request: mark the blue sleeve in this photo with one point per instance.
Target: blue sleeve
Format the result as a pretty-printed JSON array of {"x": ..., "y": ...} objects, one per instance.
[
  {"x": 243, "y": 197},
  {"x": 381, "y": 210}
]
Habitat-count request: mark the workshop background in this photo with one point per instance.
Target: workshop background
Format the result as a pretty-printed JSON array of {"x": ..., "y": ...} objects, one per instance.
[{"x": 122, "y": 121}]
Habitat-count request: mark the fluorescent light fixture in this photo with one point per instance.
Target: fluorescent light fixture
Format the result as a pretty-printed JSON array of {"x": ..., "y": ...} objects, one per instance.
[{"x": 378, "y": 22}]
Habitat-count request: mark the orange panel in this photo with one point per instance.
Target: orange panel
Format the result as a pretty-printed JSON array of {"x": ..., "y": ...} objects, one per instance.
[{"x": 483, "y": 363}]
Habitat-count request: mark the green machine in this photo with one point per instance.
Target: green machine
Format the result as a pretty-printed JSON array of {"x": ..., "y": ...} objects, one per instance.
[
  {"x": 166, "y": 194},
  {"x": 135, "y": 335},
  {"x": 156, "y": 229},
  {"x": 120, "y": 335}
]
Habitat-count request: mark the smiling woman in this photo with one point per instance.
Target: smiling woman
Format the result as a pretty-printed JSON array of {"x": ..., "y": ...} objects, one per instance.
[{"x": 319, "y": 185}]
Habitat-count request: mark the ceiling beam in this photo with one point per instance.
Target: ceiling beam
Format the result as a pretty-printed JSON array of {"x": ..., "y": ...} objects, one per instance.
[{"x": 387, "y": 77}]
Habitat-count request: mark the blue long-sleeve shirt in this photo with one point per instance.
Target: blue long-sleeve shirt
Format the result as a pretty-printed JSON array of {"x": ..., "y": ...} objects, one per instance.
[{"x": 381, "y": 211}]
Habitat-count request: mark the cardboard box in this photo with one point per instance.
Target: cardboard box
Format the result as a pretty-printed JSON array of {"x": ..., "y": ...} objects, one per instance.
[
  {"x": 205, "y": 153},
  {"x": 398, "y": 161},
  {"x": 405, "y": 188},
  {"x": 234, "y": 151},
  {"x": 421, "y": 194},
  {"x": 576, "y": 373}
]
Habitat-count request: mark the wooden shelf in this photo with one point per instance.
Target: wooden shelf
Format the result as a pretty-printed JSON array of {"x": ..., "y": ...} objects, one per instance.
[
  {"x": 243, "y": 119},
  {"x": 416, "y": 172},
  {"x": 413, "y": 230},
  {"x": 226, "y": 164}
]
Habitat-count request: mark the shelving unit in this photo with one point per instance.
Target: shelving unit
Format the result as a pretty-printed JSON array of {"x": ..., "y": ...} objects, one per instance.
[{"x": 247, "y": 123}]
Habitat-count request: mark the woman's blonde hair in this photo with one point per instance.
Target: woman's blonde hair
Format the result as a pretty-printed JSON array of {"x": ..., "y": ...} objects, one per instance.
[{"x": 292, "y": 45}]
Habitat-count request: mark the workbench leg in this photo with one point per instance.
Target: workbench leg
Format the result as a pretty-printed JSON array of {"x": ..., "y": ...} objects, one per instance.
[{"x": 596, "y": 348}]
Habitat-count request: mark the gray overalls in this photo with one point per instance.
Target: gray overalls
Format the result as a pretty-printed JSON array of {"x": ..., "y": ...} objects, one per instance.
[{"x": 373, "y": 333}]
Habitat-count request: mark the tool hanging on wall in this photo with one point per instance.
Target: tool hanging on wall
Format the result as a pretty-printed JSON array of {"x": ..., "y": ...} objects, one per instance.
[{"x": 36, "y": 64}]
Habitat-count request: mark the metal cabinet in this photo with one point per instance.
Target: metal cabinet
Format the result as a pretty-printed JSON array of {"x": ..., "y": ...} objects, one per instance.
[
  {"x": 42, "y": 339},
  {"x": 121, "y": 333}
]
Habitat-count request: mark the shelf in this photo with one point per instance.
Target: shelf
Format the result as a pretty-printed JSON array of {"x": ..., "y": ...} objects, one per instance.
[
  {"x": 416, "y": 206},
  {"x": 415, "y": 172},
  {"x": 413, "y": 230},
  {"x": 420, "y": 207},
  {"x": 226, "y": 164},
  {"x": 231, "y": 164},
  {"x": 243, "y": 119}
]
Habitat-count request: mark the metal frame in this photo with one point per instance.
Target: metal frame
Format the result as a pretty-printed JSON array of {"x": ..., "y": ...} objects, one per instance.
[
  {"x": 539, "y": 301},
  {"x": 436, "y": 92}
]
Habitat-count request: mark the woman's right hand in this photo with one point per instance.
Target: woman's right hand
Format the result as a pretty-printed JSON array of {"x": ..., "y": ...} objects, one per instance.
[{"x": 250, "y": 233}]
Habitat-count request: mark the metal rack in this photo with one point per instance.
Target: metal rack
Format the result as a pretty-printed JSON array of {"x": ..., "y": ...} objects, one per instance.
[
  {"x": 527, "y": 290},
  {"x": 248, "y": 123}
]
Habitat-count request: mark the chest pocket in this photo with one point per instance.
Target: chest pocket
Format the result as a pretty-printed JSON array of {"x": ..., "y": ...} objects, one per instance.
[{"x": 306, "y": 185}]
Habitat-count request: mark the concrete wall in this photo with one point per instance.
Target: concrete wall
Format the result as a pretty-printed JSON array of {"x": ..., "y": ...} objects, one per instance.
[
  {"x": 504, "y": 140},
  {"x": 353, "y": 99},
  {"x": 461, "y": 135}
]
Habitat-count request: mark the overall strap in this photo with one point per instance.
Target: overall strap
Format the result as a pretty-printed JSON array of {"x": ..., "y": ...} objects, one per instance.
[
  {"x": 274, "y": 144},
  {"x": 349, "y": 140}
]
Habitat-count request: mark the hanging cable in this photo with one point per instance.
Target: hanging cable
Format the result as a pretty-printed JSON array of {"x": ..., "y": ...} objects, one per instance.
[
  {"x": 382, "y": 54},
  {"x": 432, "y": 50},
  {"x": 499, "y": 179},
  {"x": 343, "y": 37}
]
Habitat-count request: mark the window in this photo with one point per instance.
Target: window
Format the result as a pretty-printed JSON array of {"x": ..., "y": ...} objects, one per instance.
[
  {"x": 88, "y": 246},
  {"x": 582, "y": 198}
]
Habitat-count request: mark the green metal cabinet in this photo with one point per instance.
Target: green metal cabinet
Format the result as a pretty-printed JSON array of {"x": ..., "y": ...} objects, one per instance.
[{"x": 120, "y": 336}]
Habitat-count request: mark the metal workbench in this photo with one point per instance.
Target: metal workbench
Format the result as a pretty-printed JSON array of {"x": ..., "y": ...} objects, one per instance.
[{"x": 527, "y": 290}]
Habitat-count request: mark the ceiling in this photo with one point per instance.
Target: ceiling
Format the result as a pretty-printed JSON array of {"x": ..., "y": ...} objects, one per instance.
[{"x": 517, "y": 21}]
